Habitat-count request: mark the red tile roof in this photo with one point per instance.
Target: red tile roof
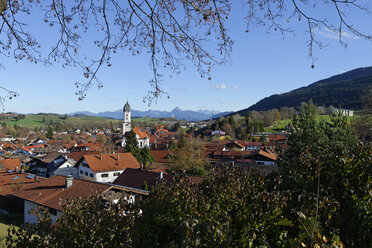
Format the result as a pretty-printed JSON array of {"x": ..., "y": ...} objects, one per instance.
[
  {"x": 52, "y": 192},
  {"x": 10, "y": 164},
  {"x": 141, "y": 134},
  {"x": 277, "y": 137},
  {"x": 111, "y": 162},
  {"x": 79, "y": 154},
  {"x": 13, "y": 181},
  {"x": 9, "y": 145},
  {"x": 160, "y": 156},
  {"x": 254, "y": 143}
]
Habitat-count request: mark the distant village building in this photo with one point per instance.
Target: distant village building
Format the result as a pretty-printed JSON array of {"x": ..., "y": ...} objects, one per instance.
[
  {"x": 142, "y": 137},
  {"x": 105, "y": 167},
  {"x": 343, "y": 112}
]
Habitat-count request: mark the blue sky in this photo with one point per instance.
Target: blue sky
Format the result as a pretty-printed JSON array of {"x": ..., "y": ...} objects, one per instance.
[{"x": 262, "y": 64}]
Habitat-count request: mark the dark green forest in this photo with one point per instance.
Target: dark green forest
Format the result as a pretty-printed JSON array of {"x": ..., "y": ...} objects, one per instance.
[{"x": 344, "y": 90}]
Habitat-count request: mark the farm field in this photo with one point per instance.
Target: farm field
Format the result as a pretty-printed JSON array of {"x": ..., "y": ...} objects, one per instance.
[{"x": 32, "y": 121}]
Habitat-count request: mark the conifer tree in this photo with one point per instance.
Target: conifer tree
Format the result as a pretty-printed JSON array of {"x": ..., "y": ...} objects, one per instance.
[{"x": 131, "y": 145}]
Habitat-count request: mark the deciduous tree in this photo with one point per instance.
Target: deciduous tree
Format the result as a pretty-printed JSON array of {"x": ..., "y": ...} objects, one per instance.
[{"x": 189, "y": 157}]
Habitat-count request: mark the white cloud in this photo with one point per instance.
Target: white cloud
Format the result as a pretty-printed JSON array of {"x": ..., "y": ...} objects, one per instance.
[
  {"x": 328, "y": 34},
  {"x": 219, "y": 87},
  {"x": 224, "y": 87}
]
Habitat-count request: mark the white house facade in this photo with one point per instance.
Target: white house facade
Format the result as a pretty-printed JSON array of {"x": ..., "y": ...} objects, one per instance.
[
  {"x": 30, "y": 209},
  {"x": 105, "y": 168},
  {"x": 104, "y": 177}
]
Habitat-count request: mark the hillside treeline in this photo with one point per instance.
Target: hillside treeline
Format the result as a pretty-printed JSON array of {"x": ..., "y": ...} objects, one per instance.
[{"x": 346, "y": 94}]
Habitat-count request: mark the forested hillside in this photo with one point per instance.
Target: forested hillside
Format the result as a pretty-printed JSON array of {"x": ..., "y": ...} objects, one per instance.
[{"x": 343, "y": 90}]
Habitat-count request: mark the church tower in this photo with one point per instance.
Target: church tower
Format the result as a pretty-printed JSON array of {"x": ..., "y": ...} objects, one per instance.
[{"x": 126, "y": 124}]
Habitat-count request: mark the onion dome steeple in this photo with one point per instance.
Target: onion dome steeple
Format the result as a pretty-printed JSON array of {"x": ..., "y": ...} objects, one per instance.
[{"x": 126, "y": 107}]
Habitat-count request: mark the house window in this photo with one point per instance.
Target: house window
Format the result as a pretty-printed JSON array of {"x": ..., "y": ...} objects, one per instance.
[
  {"x": 140, "y": 143},
  {"x": 91, "y": 175},
  {"x": 104, "y": 175},
  {"x": 116, "y": 174},
  {"x": 86, "y": 173},
  {"x": 81, "y": 172},
  {"x": 52, "y": 211}
]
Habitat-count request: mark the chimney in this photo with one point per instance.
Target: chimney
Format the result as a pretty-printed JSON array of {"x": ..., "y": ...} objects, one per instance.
[
  {"x": 69, "y": 181},
  {"x": 100, "y": 156},
  {"x": 36, "y": 178},
  {"x": 117, "y": 157}
]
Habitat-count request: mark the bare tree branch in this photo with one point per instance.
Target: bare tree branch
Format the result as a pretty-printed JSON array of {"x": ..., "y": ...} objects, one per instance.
[{"x": 170, "y": 31}]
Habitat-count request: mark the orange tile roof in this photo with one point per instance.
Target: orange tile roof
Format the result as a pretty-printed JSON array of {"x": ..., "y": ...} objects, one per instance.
[
  {"x": 10, "y": 164},
  {"x": 242, "y": 143},
  {"x": 79, "y": 154},
  {"x": 141, "y": 134},
  {"x": 69, "y": 144},
  {"x": 9, "y": 145},
  {"x": 110, "y": 162},
  {"x": 36, "y": 146},
  {"x": 52, "y": 192},
  {"x": 92, "y": 146},
  {"x": 26, "y": 149},
  {"x": 162, "y": 130},
  {"x": 268, "y": 155}
]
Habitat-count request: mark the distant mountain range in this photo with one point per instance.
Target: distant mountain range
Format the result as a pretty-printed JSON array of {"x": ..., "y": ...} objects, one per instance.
[
  {"x": 177, "y": 113},
  {"x": 343, "y": 90}
]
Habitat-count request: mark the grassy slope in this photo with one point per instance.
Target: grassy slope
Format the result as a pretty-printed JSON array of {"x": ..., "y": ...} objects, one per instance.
[
  {"x": 32, "y": 121},
  {"x": 283, "y": 123},
  {"x": 5, "y": 221}
]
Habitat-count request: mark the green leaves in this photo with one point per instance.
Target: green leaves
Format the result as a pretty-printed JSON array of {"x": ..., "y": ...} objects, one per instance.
[
  {"x": 226, "y": 210},
  {"x": 323, "y": 175}
]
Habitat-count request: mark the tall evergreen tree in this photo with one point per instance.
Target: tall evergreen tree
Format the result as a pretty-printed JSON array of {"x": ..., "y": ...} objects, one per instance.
[
  {"x": 49, "y": 133},
  {"x": 217, "y": 126},
  {"x": 131, "y": 145},
  {"x": 145, "y": 157}
]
